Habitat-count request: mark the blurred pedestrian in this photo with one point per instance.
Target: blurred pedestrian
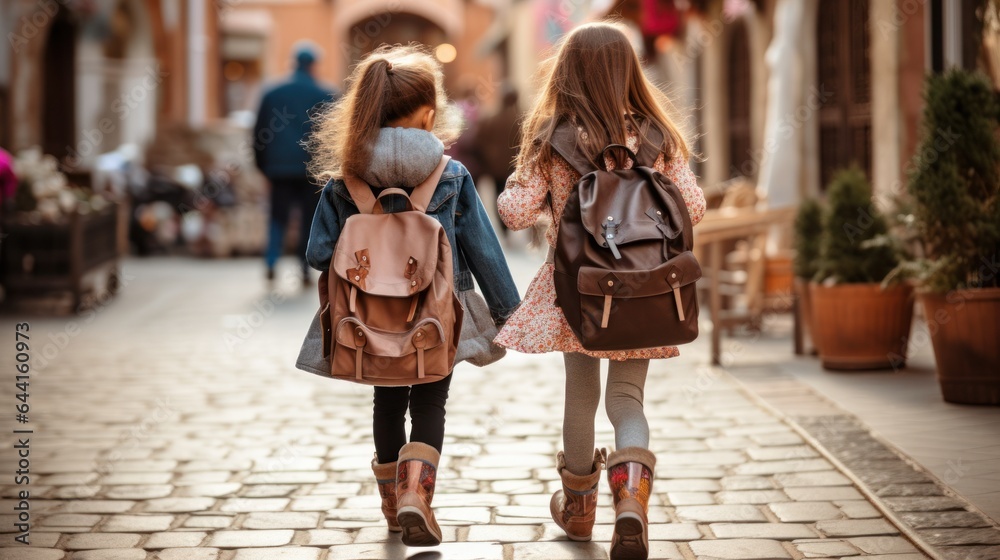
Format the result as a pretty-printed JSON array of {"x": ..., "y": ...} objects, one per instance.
[
  {"x": 497, "y": 140},
  {"x": 283, "y": 122},
  {"x": 8, "y": 180},
  {"x": 464, "y": 148},
  {"x": 595, "y": 94}
]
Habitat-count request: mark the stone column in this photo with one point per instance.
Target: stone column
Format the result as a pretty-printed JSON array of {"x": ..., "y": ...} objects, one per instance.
[{"x": 886, "y": 141}]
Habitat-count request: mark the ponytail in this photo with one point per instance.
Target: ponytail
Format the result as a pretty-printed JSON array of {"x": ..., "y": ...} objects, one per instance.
[
  {"x": 390, "y": 83},
  {"x": 367, "y": 115}
]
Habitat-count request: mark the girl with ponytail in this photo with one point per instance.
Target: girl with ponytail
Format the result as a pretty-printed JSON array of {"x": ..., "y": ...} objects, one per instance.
[{"x": 390, "y": 130}]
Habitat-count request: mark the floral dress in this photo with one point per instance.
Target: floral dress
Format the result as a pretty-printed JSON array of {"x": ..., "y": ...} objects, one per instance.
[{"x": 538, "y": 325}]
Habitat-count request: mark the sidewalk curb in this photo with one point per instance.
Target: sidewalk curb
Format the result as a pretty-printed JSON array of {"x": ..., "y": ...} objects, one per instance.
[{"x": 876, "y": 500}]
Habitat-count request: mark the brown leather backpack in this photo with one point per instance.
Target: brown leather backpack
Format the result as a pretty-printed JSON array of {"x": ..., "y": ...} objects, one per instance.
[
  {"x": 391, "y": 316},
  {"x": 624, "y": 271}
]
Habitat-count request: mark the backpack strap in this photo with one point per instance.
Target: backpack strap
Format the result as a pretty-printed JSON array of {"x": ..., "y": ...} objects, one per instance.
[
  {"x": 420, "y": 198},
  {"x": 564, "y": 142},
  {"x": 361, "y": 193},
  {"x": 422, "y": 194}
]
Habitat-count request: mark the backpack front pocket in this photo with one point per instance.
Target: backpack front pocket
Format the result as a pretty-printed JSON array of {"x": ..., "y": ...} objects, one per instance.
[{"x": 367, "y": 355}]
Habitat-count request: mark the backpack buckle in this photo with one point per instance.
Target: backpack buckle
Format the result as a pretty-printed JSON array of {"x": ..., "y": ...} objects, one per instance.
[{"x": 610, "y": 229}]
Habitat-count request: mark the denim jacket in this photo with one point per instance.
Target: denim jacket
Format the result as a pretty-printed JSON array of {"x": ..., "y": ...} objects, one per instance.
[{"x": 457, "y": 206}]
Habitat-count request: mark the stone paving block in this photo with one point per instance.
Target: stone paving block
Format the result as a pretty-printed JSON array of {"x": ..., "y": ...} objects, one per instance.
[
  {"x": 74, "y": 492},
  {"x": 22, "y": 553},
  {"x": 209, "y": 521},
  {"x": 281, "y": 520},
  {"x": 751, "y": 496},
  {"x": 381, "y": 534},
  {"x": 86, "y": 541},
  {"x": 188, "y": 554},
  {"x": 690, "y": 498},
  {"x": 821, "y": 478},
  {"x": 777, "y": 467},
  {"x": 138, "y": 492},
  {"x": 70, "y": 520},
  {"x": 674, "y": 532},
  {"x": 137, "y": 523},
  {"x": 721, "y": 514},
  {"x": 291, "y": 553},
  {"x": 896, "y": 557},
  {"x": 503, "y": 534},
  {"x": 776, "y": 439},
  {"x": 826, "y": 548},
  {"x": 925, "y": 489},
  {"x": 315, "y": 503},
  {"x": 135, "y": 478},
  {"x": 971, "y": 552},
  {"x": 177, "y": 505},
  {"x": 823, "y": 493},
  {"x": 511, "y": 487},
  {"x": 779, "y": 453},
  {"x": 211, "y": 490},
  {"x": 924, "y": 503},
  {"x": 246, "y": 505},
  {"x": 175, "y": 539},
  {"x": 747, "y": 482},
  {"x": 882, "y": 545},
  {"x": 739, "y": 549},
  {"x": 96, "y": 506},
  {"x": 111, "y": 554},
  {"x": 777, "y": 531},
  {"x": 554, "y": 550},
  {"x": 268, "y": 490},
  {"x": 688, "y": 485},
  {"x": 327, "y": 537},
  {"x": 858, "y": 509},
  {"x": 462, "y": 515},
  {"x": 957, "y": 537},
  {"x": 286, "y": 477},
  {"x": 856, "y": 527},
  {"x": 396, "y": 551},
  {"x": 243, "y": 539},
  {"x": 943, "y": 519},
  {"x": 792, "y": 512}
]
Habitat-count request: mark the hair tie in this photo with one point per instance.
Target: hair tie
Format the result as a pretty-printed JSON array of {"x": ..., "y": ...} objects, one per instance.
[{"x": 388, "y": 67}]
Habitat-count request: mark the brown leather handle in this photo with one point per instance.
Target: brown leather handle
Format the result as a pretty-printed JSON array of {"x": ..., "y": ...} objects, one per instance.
[{"x": 377, "y": 209}]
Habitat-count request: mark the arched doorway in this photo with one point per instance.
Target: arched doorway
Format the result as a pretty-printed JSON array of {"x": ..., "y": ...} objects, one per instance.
[
  {"x": 59, "y": 86},
  {"x": 388, "y": 28},
  {"x": 844, "y": 74}
]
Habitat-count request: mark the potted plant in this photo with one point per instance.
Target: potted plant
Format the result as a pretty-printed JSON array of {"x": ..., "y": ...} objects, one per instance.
[
  {"x": 808, "y": 228},
  {"x": 955, "y": 189},
  {"x": 857, "y": 322}
]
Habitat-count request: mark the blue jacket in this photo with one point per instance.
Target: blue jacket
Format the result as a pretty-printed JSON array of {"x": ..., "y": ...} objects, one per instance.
[
  {"x": 475, "y": 248},
  {"x": 283, "y": 122}
]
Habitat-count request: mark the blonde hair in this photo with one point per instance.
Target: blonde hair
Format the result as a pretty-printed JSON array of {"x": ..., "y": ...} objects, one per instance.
[
  {"x": 596, "y": 80},
  {"x": 389, "y": 83}
]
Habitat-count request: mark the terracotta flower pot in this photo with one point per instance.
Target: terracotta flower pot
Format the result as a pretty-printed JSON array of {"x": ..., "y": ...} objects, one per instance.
[
  {"x": 861, "y": 326},
  {"x": 965, "y": 331}
]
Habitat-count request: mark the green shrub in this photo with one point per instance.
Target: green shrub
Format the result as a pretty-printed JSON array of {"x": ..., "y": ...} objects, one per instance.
[
  {"x": 955, "y": 184},
  {"x": 808, "y": 229},
  {"x": 850, "y": 251}
]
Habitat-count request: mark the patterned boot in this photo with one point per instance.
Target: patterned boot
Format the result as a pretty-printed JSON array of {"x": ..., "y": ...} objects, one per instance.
[
  {"x": 415, "y": 474},
  {"x": 574, "y": 507},
  {"x": 630, "y": 474},
  {"x": 385, "y": 476}
]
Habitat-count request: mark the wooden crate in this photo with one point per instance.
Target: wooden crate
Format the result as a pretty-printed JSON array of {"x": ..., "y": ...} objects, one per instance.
[{"x": 79, "y": 257}]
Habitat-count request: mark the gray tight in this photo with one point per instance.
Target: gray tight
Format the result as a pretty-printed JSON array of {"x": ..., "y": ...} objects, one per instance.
[{"x": 623, "y": 401}]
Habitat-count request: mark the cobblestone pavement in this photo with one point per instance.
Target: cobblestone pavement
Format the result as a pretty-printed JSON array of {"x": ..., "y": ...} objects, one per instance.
[{"x": 171, "y": 425}]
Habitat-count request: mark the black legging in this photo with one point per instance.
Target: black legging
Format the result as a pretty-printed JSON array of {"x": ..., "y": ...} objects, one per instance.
[{"x": 426, "y": 403}]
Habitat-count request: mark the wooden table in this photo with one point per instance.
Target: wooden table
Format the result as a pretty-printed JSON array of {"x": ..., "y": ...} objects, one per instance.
[{"x": 720, "y": 226}]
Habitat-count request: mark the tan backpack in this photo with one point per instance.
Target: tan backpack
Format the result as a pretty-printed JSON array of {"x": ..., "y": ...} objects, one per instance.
[{"x": 391, "y": 316}]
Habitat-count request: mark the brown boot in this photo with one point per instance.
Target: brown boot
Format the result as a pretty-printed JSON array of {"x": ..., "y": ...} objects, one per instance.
[
  {"x": 385, "y": 476},
  {"x": 416, "y": 472},
  {"x": 574, "y": 507},
  {"x": 630, "y": 474}
]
